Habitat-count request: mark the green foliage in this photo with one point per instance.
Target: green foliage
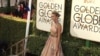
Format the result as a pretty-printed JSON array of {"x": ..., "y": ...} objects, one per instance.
[
  {"x": 70, "y": 48},
  {"x": 7, "y": 10},
  {"x": 36, "y": 44},
  {"x": 12, "y": 28},
  {"x": 2, "y": 10},
  {"x": 93, "y": 51}
]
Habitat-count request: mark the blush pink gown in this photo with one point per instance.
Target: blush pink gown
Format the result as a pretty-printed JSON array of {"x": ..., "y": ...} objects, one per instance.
[{"x": 51, "y": 44}]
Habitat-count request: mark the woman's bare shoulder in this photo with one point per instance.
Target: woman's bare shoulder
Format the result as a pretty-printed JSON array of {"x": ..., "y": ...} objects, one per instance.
[{"x": 59, "y": 25}]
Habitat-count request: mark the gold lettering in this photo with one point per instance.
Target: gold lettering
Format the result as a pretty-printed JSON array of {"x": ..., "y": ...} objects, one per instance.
[{"x": 89, "y": 1}]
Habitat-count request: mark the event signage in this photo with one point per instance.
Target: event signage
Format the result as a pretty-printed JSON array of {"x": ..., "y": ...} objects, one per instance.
[
  {"x": 44, "y": 10},
  {"x": 85, "y": 19}
]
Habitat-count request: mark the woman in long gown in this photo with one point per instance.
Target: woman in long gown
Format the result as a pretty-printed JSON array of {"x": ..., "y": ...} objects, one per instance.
[{"x": 53, "y": 44}]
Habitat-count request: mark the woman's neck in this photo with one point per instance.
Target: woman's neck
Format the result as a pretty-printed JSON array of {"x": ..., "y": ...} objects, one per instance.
[{"x": 55, "y": 21}]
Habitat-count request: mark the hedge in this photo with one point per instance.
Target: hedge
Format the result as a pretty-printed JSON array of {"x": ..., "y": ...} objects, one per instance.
[
  {"x": 70, "y": 48},
  {"x": 12, "y": 29}
]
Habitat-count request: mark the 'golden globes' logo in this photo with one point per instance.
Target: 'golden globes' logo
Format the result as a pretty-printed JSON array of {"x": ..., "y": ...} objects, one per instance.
[
  {"x": 89, "y": 1},
  {"x": 87, "y": 17}
]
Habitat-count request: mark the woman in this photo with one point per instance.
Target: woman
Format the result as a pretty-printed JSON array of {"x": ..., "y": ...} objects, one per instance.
[{"x": 53, "y": 45}]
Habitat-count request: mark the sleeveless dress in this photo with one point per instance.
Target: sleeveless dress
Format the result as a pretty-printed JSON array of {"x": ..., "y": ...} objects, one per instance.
[{"x": 51, "y": 44}]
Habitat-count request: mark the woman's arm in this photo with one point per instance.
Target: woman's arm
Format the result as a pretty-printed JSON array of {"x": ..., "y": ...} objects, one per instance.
[{"x": 59, "y": 31}]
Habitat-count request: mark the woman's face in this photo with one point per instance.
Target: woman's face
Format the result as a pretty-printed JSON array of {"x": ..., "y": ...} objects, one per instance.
[{"x": 53, "y": 17}]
